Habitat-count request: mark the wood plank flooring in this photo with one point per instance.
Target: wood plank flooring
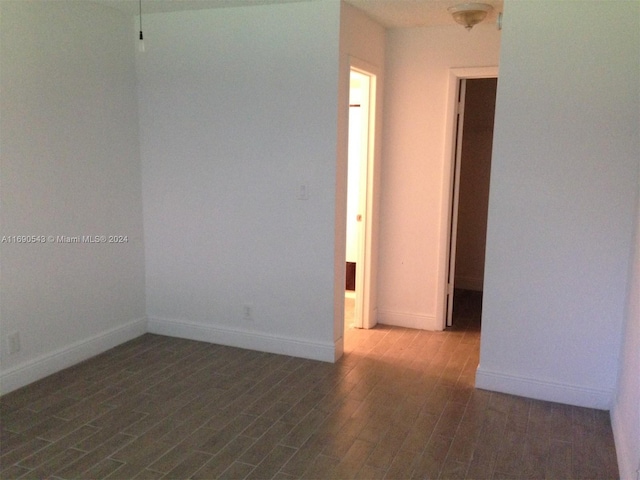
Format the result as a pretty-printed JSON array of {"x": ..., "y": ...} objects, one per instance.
[{"x": 400, "y": 404}]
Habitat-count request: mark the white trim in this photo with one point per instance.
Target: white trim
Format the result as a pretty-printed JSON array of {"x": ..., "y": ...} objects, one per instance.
[
  {"x": 455, "y": 74},
  {"x": 33, "y": 370},
  {"x": 454, "y": 201},
  {"x": 364, "y": 296},
  {"x": 262, "y": 342},
  {"x": 409, "y": 320},
  {"x": 338, "y": 349},
  {"x": 543, "y": 390}
]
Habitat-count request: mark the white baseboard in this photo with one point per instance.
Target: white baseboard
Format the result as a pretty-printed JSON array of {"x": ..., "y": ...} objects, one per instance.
[
  {"x": 408, "y": 320},
  {"x": 543, "y": 390},
  {"x": 33, "y": 370},
  {"x": 339, "y": 349},
  {"x": 628, "y": 455},
  {"x": 325, "y": 352}
]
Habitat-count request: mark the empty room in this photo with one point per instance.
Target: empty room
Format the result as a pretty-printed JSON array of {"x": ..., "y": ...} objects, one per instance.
[{"x": 173, "y": 187}]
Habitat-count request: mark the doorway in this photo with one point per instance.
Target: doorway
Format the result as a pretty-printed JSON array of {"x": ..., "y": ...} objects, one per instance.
[
  {"x": 475, "y": 111},
  {"x": 359, "y": 199}
]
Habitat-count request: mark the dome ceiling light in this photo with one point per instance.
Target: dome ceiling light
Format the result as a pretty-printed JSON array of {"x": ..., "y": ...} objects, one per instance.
[{"x": 469, "y": 14}]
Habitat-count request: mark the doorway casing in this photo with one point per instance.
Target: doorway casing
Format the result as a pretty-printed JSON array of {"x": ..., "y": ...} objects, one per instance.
[
  {"x": 455, "y": 76},
  {"x": 366, "y": 276},
  {"x": 358, "y": 161}
]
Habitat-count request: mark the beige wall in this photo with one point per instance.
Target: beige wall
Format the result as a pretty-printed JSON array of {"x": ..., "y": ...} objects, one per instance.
[{"x": 414, "y": 194}]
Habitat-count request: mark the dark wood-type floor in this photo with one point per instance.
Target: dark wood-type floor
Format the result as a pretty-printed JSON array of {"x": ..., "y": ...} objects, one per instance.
[{"x": 399, "y": 404}]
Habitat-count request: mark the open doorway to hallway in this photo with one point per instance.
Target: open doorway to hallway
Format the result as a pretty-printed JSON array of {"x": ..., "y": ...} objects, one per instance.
[
  {"x": 359, "y": 186},
  {"x": 470, "y": 196}
]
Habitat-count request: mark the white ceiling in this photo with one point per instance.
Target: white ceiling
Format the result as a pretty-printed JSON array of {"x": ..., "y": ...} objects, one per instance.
[
  {"x": 389, "y": 13},
  {"x": 417, "y": 13}
]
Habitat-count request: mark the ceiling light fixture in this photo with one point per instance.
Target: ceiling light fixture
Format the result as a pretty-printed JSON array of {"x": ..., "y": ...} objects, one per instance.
[
  {"x": 469, "y": 14},
  {"x": 141, "y": 38}
]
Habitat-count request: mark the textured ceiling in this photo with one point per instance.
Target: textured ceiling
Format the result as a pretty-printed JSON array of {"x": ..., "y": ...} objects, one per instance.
[{"x": 389, "y": 13}]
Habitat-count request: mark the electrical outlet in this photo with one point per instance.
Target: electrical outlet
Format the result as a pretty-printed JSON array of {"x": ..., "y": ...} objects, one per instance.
[
  {"x": 13, "y": 340},
  {"x": 303, "y": 191},
  {"x": 247, "y": 311}
]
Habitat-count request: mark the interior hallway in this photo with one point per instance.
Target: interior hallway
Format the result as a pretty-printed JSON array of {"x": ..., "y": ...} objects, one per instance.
[{"x": 400, "y": 404}]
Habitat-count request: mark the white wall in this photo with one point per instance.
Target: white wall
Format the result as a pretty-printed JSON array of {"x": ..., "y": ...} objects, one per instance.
[
  {"x": 562, "y": 204},
  {"x": 414, "y": 165},
  {"x": 70, "y": 166},
  {"x": 625, "y": 414},
  {"x": 238, "y": 109},
  {"x": 362, "y": 44}
]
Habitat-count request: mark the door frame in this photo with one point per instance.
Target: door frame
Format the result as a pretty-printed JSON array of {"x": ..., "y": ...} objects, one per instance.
[
  {"x": 362, "y": 160},
  {"x": 455, "y": 199},
  {"x": 449, "y": 175},
  {"x": 364, "y": 301}
]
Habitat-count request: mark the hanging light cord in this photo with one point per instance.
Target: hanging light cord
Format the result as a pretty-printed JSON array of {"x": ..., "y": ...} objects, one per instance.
[{"x": 140, "y": 4}]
